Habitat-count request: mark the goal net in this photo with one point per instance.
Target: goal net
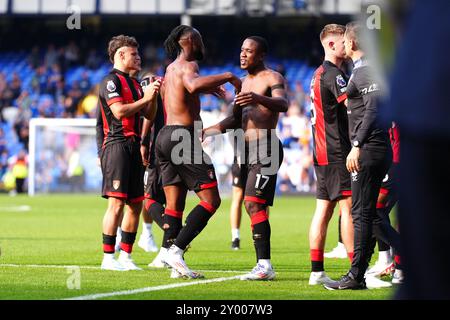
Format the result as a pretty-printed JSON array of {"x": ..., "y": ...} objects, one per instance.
[{"x": 63, "y": 156}]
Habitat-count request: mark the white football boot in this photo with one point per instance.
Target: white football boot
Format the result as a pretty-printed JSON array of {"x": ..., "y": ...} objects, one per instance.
[
  {"x": 110, "y": 263},
  {"x": 319, "y": 277},
  {"x": 338, "y": 252},
  {"x": 147, "y": 243},
  {"x": 398, "y": 277},
  {"x": 126, "y": 261},
  {"x": 158, "y": 261},
  {"x": 259, "y": 272},
  {"x": 174, "y": 258}
]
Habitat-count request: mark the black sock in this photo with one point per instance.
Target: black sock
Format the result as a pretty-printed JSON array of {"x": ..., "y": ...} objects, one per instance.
[
  {"x": 171, "y": 227},
  {"x": 128, "y": 238},
  {"x": 195, "y": 223},
  {"x": 339, "y": 229},
  {"x": 317, "y": 266},
  {"x": 109, "y": 242},
  {"x": 261, "y": 239},
  {"x": 156, "y": 211}
]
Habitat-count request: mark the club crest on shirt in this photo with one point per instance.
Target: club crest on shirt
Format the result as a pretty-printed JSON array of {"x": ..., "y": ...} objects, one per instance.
[
  {"x": 116, "y": 184},
  {"x": 110, "y": 86},
  {"x": 341, "y": 81}
]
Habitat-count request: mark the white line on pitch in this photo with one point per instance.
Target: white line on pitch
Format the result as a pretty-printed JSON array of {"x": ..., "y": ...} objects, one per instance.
[
  {"x": 56, "y": 266},
  {"x": 22, "y": 208},
  {"x": 45, "y": 266},
  {"x": 148, "y": 289}
]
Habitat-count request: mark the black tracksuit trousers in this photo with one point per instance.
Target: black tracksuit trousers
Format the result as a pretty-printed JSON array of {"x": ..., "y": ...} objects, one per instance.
[{"x": 374, "y": 165}]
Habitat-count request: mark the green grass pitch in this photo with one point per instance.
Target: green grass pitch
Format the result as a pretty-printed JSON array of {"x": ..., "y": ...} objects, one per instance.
[{"x": 65, "y": 230}]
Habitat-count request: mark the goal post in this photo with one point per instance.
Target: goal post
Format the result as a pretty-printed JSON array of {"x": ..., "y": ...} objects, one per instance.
[{"x": 63, "y": 156}]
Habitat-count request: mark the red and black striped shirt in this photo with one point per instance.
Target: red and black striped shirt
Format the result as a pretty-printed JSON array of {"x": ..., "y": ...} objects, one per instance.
[
  {"x": 329, "y": 115},
  {"x": 118, "y": 86}
]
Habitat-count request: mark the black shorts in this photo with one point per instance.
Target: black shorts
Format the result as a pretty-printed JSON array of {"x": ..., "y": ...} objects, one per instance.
[
  {"x": 333, "y": 182},
  {"x": 182, "y": 159},
  {"x": 153, "y": 184},
  {"x": 122, "y": 171},
  {"x": 260, "y": 173},
  {"x": 239, "y": 176}
]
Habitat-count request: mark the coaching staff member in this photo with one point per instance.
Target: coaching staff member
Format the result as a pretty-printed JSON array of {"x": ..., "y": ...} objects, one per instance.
[{"x": 368, "y": 160}]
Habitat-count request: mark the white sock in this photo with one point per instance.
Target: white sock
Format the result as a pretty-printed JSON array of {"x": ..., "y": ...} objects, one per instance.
[
  {"x": 163, "y": 250},
  {"x": 265, "y": 263},
  {"x": 147, "y": 229},
  {"x": 175, "y": 250},
  {"x": 124, "y": 254},
  {"x": 119, "y": 234},
  {"x": 385, "y": 256},
  {"x": 108, "y": 255},
  {"x": 340, "y": 244},
  {"x": 235, "y": 233}
]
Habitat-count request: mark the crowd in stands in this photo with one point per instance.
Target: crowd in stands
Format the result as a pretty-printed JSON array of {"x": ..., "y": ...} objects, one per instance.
[{"x": 60, "y": 82}]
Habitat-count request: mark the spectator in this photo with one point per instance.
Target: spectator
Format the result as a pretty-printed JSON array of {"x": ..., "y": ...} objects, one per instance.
[
  {"x": 299, "y": 94},
  {"x": 20, "y": 171},
  {"x": 5, "y": 93},
  {"x": 73, "y": 98},
  {"x": 3, "y": 163},
  {"x": 92, "y": 60},
  {"x": 3, "y": 87},
  {"x": 53, "y": 79},
  {"x": 72, "y": 54},
  {"x": 2, "y": 141},
  {"x": 60, "y": 90},
  {"x": 22, "y": 131},
  {"x": 89, "y": 103},
  {"x": 24, "y": 101},
  {"x": 34, "y": 59},
  {"x": 51, "y": 56},
  {"x": 85, "y": 83},
  {"x": 39, "y": 80},
  {"x": 15, "y": 86}
]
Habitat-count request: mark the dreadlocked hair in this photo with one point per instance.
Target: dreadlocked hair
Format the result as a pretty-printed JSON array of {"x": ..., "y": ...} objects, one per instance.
[{"x": 171, "y": 45}]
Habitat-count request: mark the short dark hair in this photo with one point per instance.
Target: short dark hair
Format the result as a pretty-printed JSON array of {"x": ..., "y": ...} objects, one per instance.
[
  {"x": 171, "y": 44},
  {"x": 118, "y": 42},
  {"x": 353, "y": 32},
  {"x": 263, "y": 45}
]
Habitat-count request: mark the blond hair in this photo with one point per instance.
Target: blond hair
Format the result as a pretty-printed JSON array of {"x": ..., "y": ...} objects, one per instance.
[{"x": 332, "y": 29}]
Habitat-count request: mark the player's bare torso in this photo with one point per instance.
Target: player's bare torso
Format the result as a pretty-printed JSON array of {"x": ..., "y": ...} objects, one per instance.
[
  {"x": 182, "y": 107},
  {"x": 257, "y": 117}
]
